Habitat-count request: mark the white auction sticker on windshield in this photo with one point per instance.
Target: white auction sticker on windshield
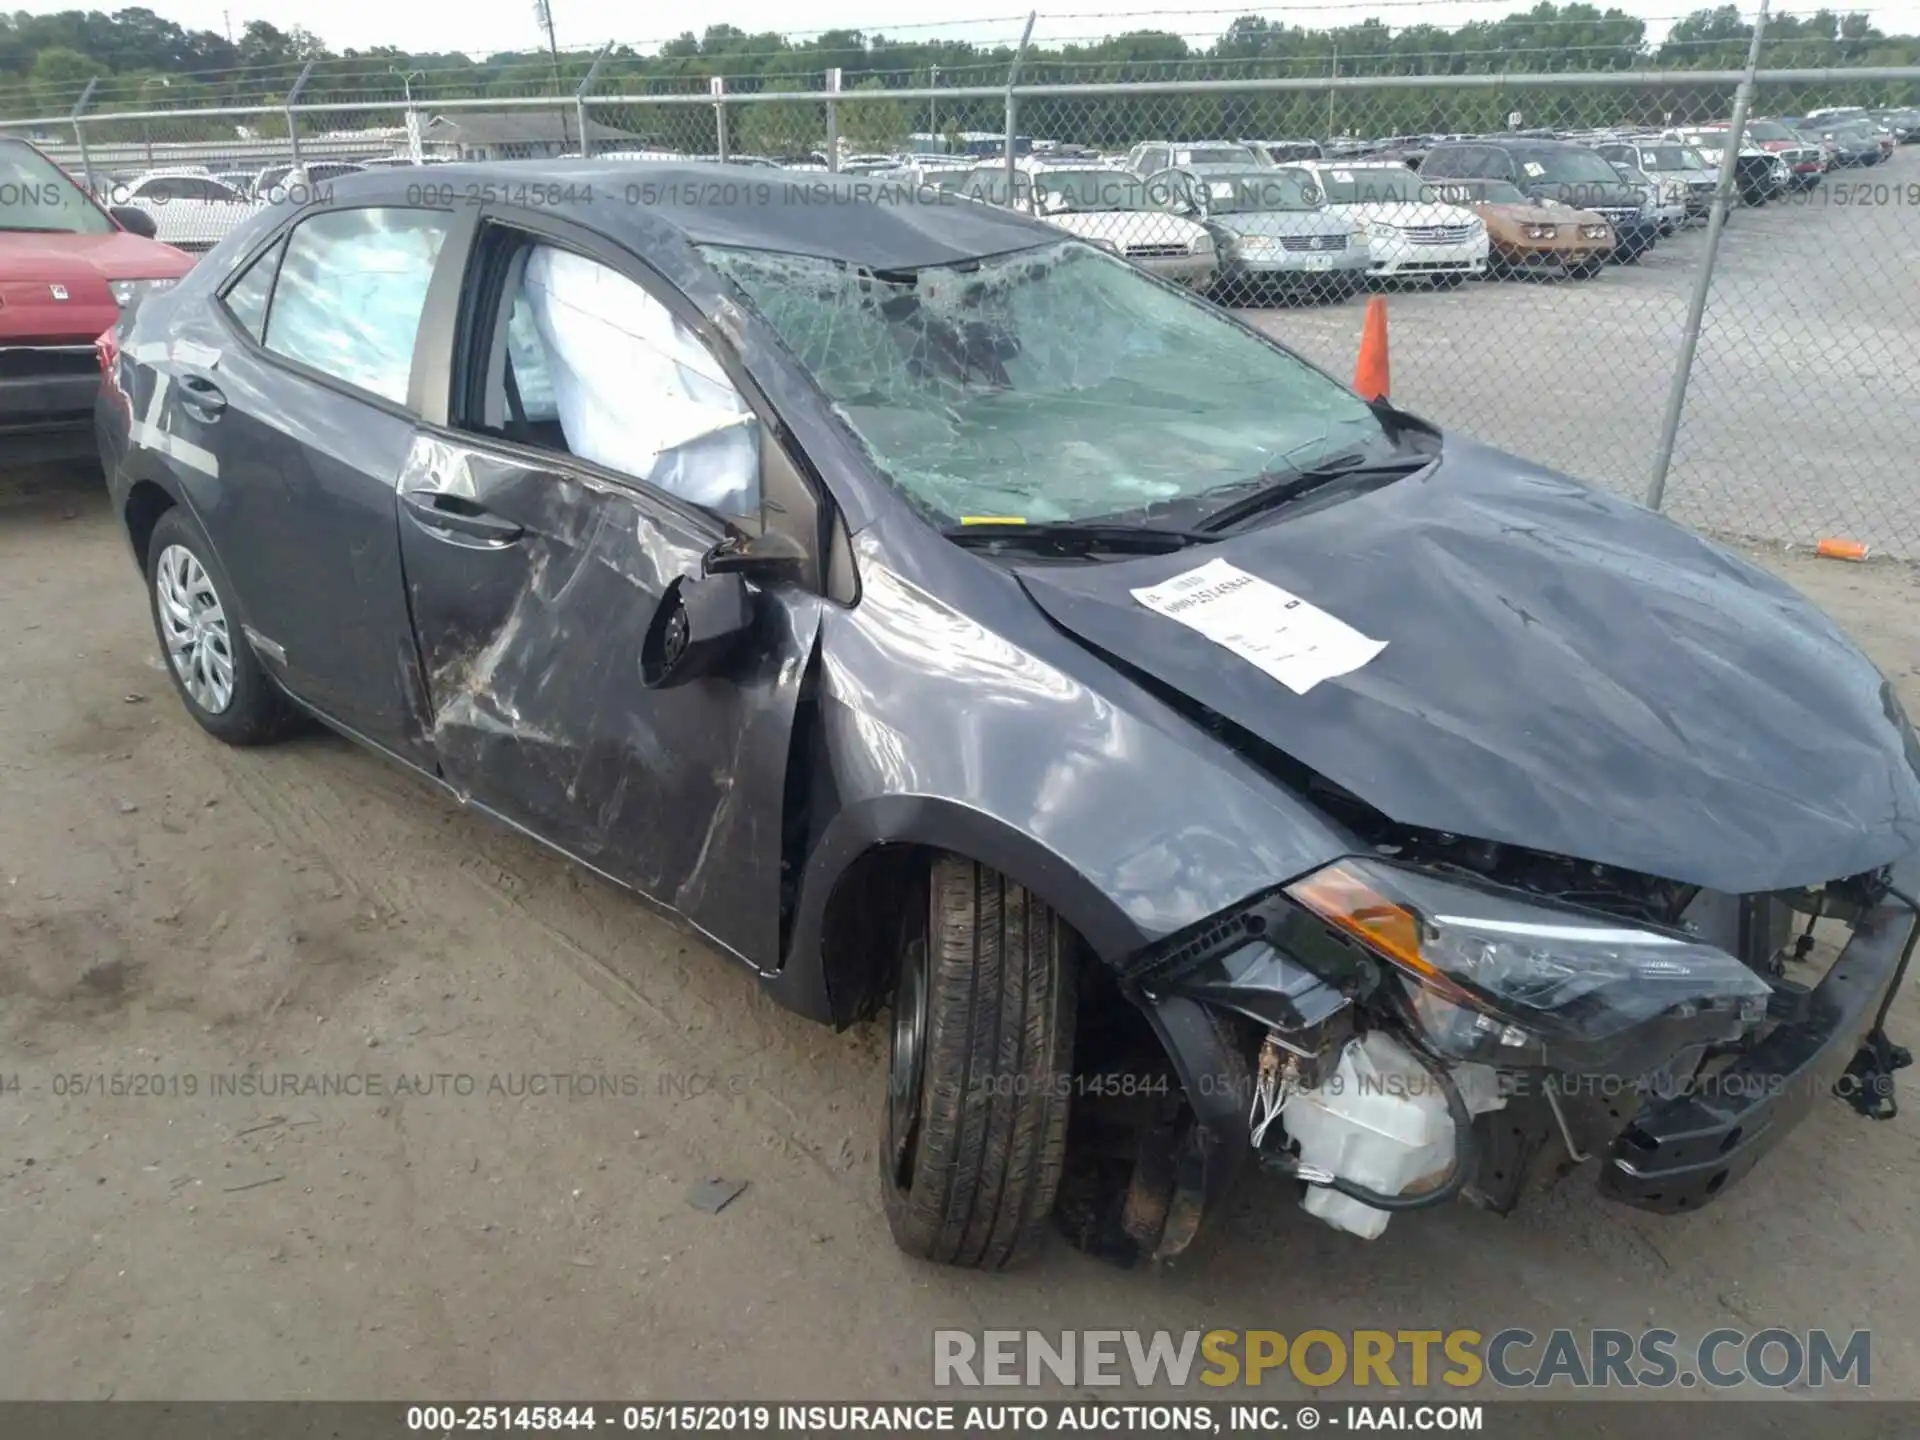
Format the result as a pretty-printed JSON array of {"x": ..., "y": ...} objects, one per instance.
[
  {"x": 1534, "y": 168},
  {"x": 1294, "y": 641}
]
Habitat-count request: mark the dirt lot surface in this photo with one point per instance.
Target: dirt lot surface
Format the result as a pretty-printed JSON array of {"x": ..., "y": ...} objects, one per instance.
[{"x": 176, "y": 910}]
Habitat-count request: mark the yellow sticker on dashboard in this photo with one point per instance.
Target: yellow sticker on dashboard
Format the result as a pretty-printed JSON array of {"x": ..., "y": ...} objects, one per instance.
[{"x": 993, "y": 519}]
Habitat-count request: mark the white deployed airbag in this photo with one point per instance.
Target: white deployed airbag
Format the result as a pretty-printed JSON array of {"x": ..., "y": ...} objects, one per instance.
[{"x": 635, "y": 390}]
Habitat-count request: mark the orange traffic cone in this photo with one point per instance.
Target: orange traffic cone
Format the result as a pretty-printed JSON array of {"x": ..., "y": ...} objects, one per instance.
[
  {"x": 1370, "y": 377},
  {"x": 1841, "y": 550}
]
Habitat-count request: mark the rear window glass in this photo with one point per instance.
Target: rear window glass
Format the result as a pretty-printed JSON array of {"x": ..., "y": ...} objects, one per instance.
[{"x": 351, "y": 289}]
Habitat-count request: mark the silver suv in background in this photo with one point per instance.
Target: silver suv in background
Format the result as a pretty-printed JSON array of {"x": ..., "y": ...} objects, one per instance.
[
  {"x": 1682, "y": 172},
  {"x": 1269, "y": 230}
]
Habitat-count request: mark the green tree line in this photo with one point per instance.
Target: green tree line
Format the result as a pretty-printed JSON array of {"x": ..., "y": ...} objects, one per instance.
[{"x": 143, "y": 62}]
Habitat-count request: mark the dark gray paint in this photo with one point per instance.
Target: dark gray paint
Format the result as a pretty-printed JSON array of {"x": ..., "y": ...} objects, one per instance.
[
  {"x": 531, "y": 651},
  {"x": 1564, "y": 671}
]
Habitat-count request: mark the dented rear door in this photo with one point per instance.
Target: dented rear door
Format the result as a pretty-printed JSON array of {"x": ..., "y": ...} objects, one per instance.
[{"x": 530, "y": 625}]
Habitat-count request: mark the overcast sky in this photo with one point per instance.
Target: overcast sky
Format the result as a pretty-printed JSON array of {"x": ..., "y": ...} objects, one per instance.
[{"x": 480, "y": 26}]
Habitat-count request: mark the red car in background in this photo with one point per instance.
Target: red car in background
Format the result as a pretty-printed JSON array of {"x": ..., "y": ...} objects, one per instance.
[{"x": 68, "y": 269}]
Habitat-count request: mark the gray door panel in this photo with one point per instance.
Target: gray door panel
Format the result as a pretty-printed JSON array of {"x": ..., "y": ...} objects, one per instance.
[{"x": 532, "y": 642}]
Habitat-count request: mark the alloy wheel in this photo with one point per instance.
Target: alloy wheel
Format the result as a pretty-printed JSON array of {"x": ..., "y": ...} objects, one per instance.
[{"x": 194, "y": 626}]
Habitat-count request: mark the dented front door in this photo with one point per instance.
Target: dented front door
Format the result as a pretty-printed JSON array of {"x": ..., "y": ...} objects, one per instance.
[{"x": 532, "y": 587}]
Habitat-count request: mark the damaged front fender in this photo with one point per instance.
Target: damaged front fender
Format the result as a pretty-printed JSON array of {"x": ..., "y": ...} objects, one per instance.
[{"x": 981, "y": 732}]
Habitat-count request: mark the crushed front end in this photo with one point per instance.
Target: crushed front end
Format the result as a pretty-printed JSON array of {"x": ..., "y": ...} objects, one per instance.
[{"x": 1447, "y": 1017}]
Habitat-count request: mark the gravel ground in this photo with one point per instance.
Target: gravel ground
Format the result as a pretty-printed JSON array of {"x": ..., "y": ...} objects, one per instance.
[{"x": 173, "y": 909}]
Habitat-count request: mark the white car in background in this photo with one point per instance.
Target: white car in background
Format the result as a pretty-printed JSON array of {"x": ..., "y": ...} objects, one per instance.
[
  {"x": 1411, "y": 233},
  {"x": 1108, "y": 207},
  {"x": 944, "y": 173},
  {"x": 191, "y": 210},
  {"x": 301, "y": 184},
  {"x": 1150, "y": 157}
]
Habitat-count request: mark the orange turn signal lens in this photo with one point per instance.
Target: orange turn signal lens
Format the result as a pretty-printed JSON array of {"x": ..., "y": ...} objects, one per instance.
[{"x": 1344, "y": 898}]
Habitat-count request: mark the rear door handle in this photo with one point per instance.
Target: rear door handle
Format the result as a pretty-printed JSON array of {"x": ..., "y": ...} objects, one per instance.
[
  {"x": 202, "y": 394},
  {"x": 458, "y": 515}
]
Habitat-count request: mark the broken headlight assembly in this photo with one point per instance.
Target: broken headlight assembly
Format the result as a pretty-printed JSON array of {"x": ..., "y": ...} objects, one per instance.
[{"x": 1495, "y": 976}]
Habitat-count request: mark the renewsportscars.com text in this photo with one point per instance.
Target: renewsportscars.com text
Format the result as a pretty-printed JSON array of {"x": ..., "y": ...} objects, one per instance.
[{"x": 1512, "y": 1358}]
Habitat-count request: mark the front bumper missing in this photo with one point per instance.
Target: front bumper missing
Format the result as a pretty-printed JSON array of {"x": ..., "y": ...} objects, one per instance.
[{"x": 1680, "y": 1153}]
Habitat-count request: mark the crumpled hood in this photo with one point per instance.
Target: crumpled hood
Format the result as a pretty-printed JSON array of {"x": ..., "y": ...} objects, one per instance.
[{"x": 1563, "y": 670}]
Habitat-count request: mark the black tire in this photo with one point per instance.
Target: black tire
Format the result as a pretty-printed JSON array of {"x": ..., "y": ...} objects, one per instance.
[
  {"x": 255, "y": 711},
  {"x": 973, "y": 1134}
]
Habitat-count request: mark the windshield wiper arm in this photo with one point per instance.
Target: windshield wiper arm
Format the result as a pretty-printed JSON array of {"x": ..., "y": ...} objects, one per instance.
[
  {"x": 1078, "y": 537},
  {"x": 1297, "y": 483}
]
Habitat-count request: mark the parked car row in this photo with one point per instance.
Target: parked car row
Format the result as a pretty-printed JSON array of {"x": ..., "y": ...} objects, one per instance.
[
  {"x": 1244, "y": 218},
  {"x": 1218, "y": 218}
]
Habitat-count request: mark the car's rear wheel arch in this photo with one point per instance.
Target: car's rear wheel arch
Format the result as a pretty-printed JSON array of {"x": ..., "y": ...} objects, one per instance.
[{"x": 146, "y": 503}]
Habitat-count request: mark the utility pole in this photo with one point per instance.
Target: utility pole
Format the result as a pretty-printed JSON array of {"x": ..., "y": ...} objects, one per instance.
[
  {"x": 1723, "y": 197},
  {"x": 543, "y": 13},
  {"x": 414, "y": 152},
  {"x": 1013, "y": 107},
  {"x": 1335, "y": 75}
]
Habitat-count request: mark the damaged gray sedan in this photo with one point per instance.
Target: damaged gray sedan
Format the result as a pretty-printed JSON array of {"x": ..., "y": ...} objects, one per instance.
[{"x": 1198, "y": 766}]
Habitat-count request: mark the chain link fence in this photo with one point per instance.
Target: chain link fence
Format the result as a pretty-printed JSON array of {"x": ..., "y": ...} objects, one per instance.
[{"x": 1561, "y": 279}]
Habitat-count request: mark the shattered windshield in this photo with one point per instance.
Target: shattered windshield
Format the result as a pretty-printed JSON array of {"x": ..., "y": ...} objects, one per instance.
[{"x": 1052, "y": 384}]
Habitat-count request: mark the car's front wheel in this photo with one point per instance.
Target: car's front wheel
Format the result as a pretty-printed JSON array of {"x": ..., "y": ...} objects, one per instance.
[
  {"x": 975, "y": 1124},
  {"x": 212, "y": 666}
]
